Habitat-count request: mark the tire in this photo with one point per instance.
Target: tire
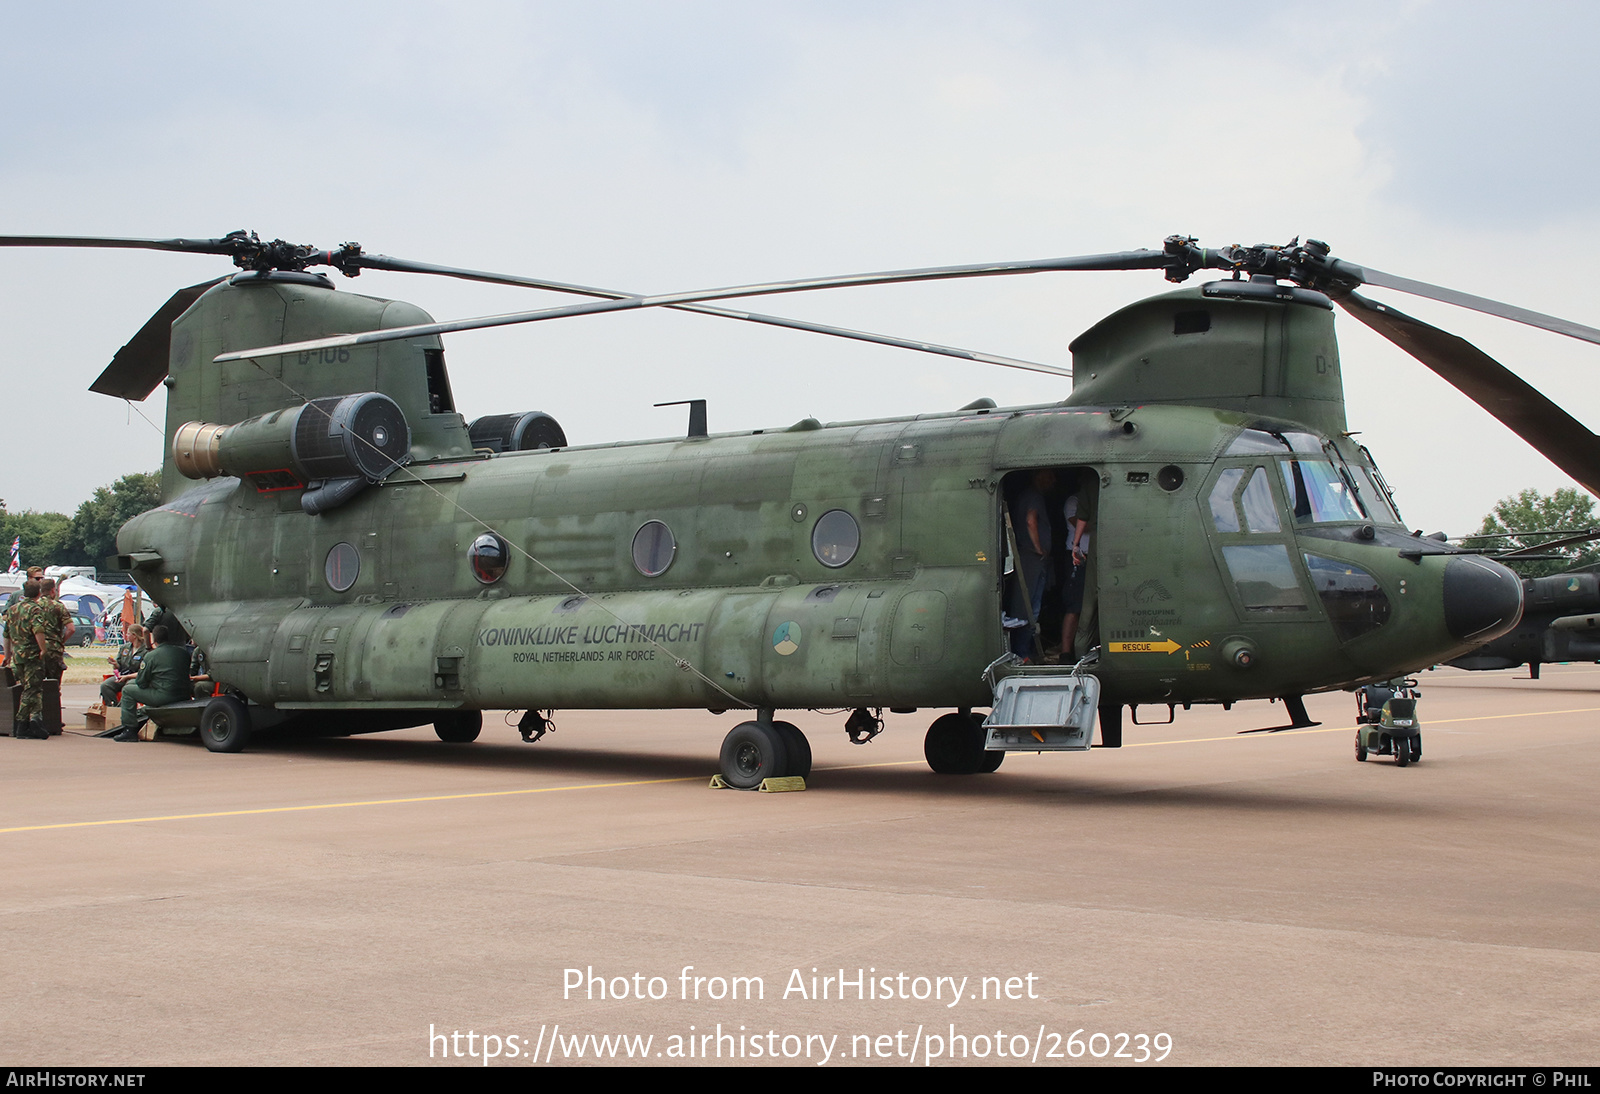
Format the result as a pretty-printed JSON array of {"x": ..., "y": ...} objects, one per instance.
[
  {"x": 1361, "y": 749},
  {"x": 459, "y": 727},
  {"x": 1402, "y": 752},
  {"x": 954, "y": 746},
  {"x": 798, "y": 748},
  {"x": 990, "y": 761},
  {"x": 753, "y": 751},
  {"x": 225, "y": 724},
  {"x": 1416, "y": 748}
]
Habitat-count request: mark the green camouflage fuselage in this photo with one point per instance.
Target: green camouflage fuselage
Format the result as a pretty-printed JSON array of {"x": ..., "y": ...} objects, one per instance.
[{"x": 746, "y": 613}]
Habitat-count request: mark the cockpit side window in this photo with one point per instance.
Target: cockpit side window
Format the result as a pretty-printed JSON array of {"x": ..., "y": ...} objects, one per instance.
[
  {"x": 1264, "y": 577},
  {"x": 1260, "y": 507},
  {"x": 1223, "y": 513}
]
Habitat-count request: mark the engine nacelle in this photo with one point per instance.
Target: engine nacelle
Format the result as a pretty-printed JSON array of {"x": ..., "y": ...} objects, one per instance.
[
  {"x": 336, "y": 445},
  {"x": 522, "y": 432}
]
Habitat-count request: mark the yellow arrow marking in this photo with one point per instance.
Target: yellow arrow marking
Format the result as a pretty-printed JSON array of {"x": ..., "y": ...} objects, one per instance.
[{"x": 1167, "y": 646}]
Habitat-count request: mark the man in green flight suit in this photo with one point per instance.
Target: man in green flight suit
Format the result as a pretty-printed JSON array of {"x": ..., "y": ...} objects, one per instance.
[
  {"x": 26, "y": 640},
  {"x": 163, "y": 678}
]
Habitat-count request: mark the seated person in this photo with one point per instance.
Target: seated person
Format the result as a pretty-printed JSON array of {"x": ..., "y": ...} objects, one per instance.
[
  {"x": 163, "y": 678},
  {"x": 124, "y": 666}
]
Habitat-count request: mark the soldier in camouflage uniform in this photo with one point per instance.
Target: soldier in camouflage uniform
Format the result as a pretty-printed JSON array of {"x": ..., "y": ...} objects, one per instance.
[
  {"x": 62, "y": 627},
  {"x": 58, "y": 628},
  {"x": 26, "y": 624}
]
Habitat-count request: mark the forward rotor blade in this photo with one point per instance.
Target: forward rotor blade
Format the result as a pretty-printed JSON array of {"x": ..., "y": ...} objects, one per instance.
[
  {"x": 1564, "y": 440},
  {"x": 399, "y": 265},
  {"x": 1125, "y": 260},
  {"x": 142, "y": 364},
  {"x": 188, "y": 246},
  {"x": 1368, "y": 276},
  {"x": 1555, "y": 544}
]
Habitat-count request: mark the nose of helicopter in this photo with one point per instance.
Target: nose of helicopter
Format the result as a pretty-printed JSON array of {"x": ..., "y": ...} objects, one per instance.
[{"x": 1482, "y": 599}]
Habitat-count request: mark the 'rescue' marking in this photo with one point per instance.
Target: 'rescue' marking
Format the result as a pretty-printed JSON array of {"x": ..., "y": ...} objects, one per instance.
[{"x": 1166, "y": 645}]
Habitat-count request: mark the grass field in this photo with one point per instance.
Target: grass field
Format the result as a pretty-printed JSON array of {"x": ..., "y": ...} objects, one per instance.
[{"x": 87, "y": 664}]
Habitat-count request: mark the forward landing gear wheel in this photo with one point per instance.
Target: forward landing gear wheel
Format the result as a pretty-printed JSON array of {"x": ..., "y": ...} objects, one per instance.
[
  {"x": 225, "y": 725},
  {"x": 1402, "y": 752},
  {"x": 753, "y": 751},
  {"x": 1361, "y": 749},
  {"x": 954, "y": 746},
  {"x": 459, "y": 726},
  {"x": 798, "y": 748}
]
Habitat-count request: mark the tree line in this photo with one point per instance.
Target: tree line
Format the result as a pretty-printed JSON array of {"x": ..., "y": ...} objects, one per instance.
[{"x": 88, "y": 537}]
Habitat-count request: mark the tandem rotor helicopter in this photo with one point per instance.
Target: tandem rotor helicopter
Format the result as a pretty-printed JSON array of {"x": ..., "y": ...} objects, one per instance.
[{"x": 352, "y": 555}]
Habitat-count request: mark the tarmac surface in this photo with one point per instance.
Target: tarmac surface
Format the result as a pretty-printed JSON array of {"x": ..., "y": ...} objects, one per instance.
[{"x": 1256, "y": 898}]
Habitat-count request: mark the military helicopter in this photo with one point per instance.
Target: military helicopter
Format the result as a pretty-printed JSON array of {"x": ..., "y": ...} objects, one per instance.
[
  {"x": 1560, "y": 622},
  {"x": 352, "y": 555}
]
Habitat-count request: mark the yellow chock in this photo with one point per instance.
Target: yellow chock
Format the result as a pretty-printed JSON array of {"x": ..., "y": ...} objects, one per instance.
[{"x": 768, "y": 786}]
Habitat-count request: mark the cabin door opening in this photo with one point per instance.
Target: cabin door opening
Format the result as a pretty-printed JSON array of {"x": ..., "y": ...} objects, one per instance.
[{"x": 1048, "y": 590}]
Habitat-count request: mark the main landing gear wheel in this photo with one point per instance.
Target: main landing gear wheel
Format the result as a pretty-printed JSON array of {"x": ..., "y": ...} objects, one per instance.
[
  {"x": 225, "y": 725},
  {"x": 459, "y": 726},
  {"x": 753, "y": 751},
  {"x": 954, "y": 746},
  {"x": 798, "y": 747}
]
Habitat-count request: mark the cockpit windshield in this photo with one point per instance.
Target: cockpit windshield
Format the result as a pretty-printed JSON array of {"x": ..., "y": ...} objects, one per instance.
[
  {"x": 1322, "y": 489},
  {"x": 1318, "y": 493}
]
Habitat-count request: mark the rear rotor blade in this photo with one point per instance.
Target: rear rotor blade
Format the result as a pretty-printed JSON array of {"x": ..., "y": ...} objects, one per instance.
[
  {"x": 399, "y": 265},
  {"x": 1125, "y": 260},
  {"x": 142, "y": 364},
  {"x": 1564, "y": 440}
]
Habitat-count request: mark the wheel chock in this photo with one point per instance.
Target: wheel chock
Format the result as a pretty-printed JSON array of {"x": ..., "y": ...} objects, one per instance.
[{"x": 768, "y": 786}]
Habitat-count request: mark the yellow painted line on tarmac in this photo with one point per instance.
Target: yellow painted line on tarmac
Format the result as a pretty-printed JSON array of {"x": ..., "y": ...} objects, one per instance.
[
  {"x": 352, "y": 805},
  {"x": 691, "y": 778}
]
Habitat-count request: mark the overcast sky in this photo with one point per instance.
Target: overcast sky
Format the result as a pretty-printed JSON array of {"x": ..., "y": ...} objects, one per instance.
[{"x": 656, "y": 147}]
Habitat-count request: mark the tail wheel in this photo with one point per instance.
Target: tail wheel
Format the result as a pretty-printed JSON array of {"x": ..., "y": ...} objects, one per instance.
[
  {"x": 459, "y": 727},
  {"x": 225, "y": 724},
  {"x": 753, "y": 751}
]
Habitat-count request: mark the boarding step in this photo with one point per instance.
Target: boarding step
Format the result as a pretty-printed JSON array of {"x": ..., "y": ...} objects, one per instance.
[{"x": 1043, "y": 711}]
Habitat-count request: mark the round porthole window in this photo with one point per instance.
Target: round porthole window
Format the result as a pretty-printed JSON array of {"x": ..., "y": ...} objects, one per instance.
[
  {"x": 653, "y": 548},
  {"x": 342, "y": 567},
  {"x": 836, "y": 538},
  {"x": 488, "y": 557}
]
